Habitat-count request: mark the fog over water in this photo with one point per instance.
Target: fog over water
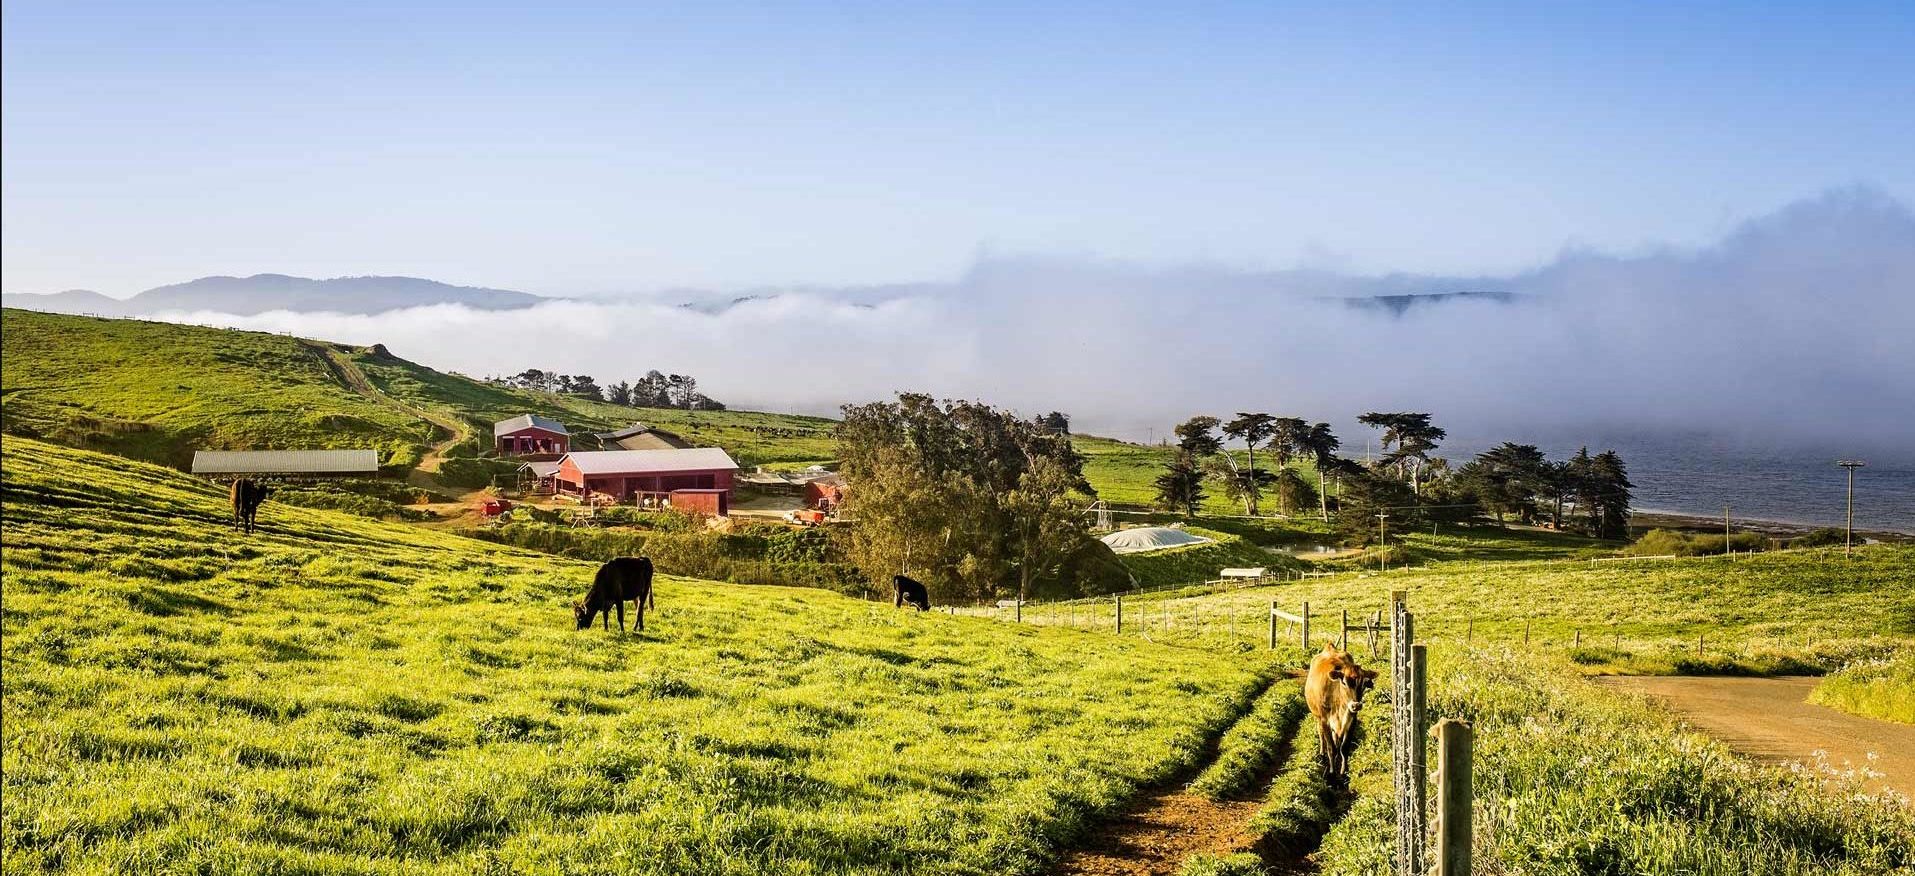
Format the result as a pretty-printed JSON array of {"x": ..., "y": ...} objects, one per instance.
[{"x": 1774, "y": 350}]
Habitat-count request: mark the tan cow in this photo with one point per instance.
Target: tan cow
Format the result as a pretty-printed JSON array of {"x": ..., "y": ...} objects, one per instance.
[{"x": 1334, "y": 689}]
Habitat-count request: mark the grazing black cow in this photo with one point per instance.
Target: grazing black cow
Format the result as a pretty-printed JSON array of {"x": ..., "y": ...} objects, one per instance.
[
  {"x": 246, "y": 497},
  {"x": 910, "y": 591},
  {"x": 619, "y": 580}
]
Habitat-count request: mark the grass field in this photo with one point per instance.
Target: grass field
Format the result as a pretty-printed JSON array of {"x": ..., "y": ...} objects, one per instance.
[
  {"x": 1878, "y": 688},
  {"x": 157, "y": 391},
  {"x": 1785, "y": 611},
  {"x": 339, "y": 695},
  {"x": 1572, "y": 779}
]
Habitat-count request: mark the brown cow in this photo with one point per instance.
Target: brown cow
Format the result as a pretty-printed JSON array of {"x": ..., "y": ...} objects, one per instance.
[{"x": 1334, "y": 689}]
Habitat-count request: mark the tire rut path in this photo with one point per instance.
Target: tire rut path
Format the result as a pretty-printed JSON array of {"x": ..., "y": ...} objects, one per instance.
[{"x": 1167, "y": 824}]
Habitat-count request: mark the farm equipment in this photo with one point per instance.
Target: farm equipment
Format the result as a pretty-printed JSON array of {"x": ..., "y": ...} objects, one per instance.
[
  {"x": 806, "y": 516},
  {"x": 493, "y": 508}
]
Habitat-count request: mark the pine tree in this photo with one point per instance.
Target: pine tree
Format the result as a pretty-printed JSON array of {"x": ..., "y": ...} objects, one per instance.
[{"x": 1181, "y": 486}]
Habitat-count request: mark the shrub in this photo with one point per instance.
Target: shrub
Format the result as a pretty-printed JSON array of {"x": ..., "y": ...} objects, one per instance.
[
  {"x": 1672, "y": 542},
  {"x": 1827, "y": 536}
]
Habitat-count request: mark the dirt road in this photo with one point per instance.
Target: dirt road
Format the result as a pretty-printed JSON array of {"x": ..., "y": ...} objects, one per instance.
[{"x": 1770, "y": 719}]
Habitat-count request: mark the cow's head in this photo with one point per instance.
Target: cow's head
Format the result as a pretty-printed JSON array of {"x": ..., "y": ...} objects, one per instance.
[
  {"x": 1344, "y": 671},
  {"x": 581, "y": 614}
]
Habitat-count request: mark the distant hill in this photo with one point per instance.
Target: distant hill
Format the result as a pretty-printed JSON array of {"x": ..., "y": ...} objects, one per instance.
[
  {"x": 1401, "y": 304},
  {"x": 261, "y": 293},
  {"x": 157, "y": 391}
]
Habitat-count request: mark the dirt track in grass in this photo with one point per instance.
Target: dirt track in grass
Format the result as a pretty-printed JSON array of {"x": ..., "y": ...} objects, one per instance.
[
  {"x": 1771, "y": 720},
  {"x": 1169, "y": 824}
]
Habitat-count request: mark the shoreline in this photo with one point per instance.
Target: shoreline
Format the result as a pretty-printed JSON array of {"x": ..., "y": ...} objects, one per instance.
[{"x": 1642, "y": 520}]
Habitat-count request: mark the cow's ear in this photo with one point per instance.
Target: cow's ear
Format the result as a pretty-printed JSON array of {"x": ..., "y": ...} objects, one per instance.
[{"x": 1369, "y": 674}]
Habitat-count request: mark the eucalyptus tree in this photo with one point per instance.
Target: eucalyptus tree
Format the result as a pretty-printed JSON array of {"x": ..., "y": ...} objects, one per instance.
[
  {"x": 1407, "y": 439},
  {"x": 1321, "y": 444},
  {"x": 1253, "y": 429}
]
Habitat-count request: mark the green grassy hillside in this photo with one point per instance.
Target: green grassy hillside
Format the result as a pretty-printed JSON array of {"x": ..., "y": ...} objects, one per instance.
[
  {"x": 157, "y": 391},
  {"x": 338, "y": 695},
  {"x": 1787, "y": 611}
]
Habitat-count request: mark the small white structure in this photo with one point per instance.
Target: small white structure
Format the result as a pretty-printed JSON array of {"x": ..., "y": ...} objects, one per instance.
[{"x": 1150, "y": 538}]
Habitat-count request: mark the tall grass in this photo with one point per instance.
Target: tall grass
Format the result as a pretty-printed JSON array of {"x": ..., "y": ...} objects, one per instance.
[
  {"x": 1572, "y": 779},
  {"x": 1881, "y": 687}
]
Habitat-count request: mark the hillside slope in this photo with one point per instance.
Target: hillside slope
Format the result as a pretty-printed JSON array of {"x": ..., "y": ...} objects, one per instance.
[
  {"x": 157, "y": 391},
  {"x": 335, "y": 695}
]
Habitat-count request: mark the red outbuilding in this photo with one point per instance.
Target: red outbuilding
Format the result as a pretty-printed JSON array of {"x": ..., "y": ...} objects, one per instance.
[
  {"x": 530, "y": 434},
  {"x": 697, "y": 479}
]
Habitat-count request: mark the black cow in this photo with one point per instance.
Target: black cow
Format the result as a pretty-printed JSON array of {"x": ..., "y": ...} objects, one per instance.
[
  {"x": 619, "y": 580},
  {"x": 246, "y": 497},
  {"x": 910, "y": 591}
]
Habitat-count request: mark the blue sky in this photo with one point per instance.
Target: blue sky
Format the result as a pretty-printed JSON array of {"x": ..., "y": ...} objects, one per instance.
[{"x": 588, "y": 149}]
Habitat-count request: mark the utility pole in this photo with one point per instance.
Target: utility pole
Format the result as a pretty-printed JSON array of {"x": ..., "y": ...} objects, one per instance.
[
  {"x": 1848, "y": 535},
  {"x": 1382, "y": 542},
  {"x": 1726, "y": 550}
]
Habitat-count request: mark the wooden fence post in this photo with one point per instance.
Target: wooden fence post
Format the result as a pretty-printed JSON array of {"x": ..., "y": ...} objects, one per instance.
[
  {"x": 1306, "y": 625},
  {"x": 1120, "y": 614},
  {"x": 1525, "y": 632},
  {"x": 1453, "y": 797},
  {"x": 1273, "y": 625},
  {"x": 1579, "y": 637}
]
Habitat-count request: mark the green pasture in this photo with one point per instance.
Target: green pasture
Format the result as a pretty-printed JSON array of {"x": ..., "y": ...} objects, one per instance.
[
  {"x": 1573, "y": 779},
  {"x": 338, "y": 695},
  {"x": 157, "y": 391}
]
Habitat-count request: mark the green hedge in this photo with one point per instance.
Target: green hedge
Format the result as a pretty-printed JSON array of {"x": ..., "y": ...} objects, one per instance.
[{"x": 741, "y": 558}]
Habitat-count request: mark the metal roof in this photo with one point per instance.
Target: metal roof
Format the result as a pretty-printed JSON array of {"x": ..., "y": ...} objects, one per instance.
[
  {"x": 527, "y": 421},
  {"x": 625, "y": 462},
  {"x": 541, "y": 469},
  {"x": 285, "y": 462}
]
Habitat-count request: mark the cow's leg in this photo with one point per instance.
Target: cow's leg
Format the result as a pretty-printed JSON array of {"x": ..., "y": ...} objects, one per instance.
[
  {"x": 651, "y": 598},
  {"x": 1323, "y": 747},
  {"x": 621, "y": 615},
  {"x": 639, "y": 622},
  {"x": 605, "y": 620}
]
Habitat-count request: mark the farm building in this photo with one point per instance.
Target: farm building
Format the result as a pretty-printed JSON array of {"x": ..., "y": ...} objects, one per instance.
[
  {"x": 530, "y": 434},
  {"x": 639, "y": 436},
  {"x": 825, "y": 493},
  {"x": 696, "y": 478},
  {"x": 285, "y": 464},
  {"x": 539, "y": 477}
]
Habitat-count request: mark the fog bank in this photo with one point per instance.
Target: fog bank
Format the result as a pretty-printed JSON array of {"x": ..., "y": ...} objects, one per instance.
[{"x": 1795, "y": 328}]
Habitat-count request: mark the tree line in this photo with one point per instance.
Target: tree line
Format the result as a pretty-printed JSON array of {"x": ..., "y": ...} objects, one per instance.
[
  {"x": 1406, "y": 483},
  {"x": 654, "y": 390}
]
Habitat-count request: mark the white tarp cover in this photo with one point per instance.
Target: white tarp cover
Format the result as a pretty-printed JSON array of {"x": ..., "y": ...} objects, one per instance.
[{"x": 1150, "y": 538}]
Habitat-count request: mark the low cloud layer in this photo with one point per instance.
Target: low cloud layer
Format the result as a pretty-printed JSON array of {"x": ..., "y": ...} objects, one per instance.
[{"x": 1796, "y": 327}]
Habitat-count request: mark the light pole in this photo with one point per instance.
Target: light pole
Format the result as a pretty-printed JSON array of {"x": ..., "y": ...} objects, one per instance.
[{"x": 1848, "y": 535}]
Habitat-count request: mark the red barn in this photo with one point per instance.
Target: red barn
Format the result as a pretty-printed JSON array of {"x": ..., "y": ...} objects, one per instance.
[
  {"x": 529, "y": 434},
  {"x": 697, "y": 479}
]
